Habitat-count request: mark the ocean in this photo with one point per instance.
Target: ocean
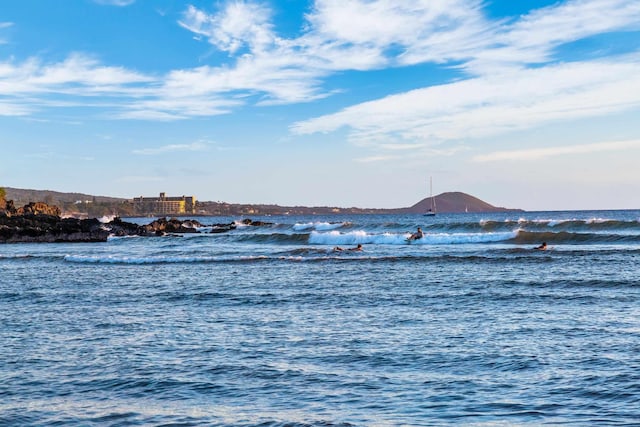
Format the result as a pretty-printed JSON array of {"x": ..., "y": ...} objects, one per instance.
[{"x": 271, "y": 326}]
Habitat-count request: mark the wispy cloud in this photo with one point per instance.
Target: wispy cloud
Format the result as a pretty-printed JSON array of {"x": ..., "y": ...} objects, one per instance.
[
  {"x": 78, "y": 75},
  {"x": 534, "y": 38},
  {"x": 14, "y": 109},
  {"x": 537, "y": 154},
  {"x": 238, "y": 25},
  {"x": 343, "y": 35},
  {"x": 172, "y": 148},
  {"x": 340, "y": 36},
  {"x": 375, "y": 159},
  {"x": 490, "y": 105},
  {"x": 4, "y": 25},
  {"x": 500, "y": 94},
  {"x": 264, "y": 68}
]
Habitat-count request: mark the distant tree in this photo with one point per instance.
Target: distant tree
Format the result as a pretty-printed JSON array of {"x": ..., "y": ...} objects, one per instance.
[{"x": 3, "y": 195}]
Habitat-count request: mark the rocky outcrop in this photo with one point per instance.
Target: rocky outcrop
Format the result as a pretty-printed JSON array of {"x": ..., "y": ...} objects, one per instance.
[
  {"x": 120, "y": 228},
  {"x": 223, "y": 228},
  {"x": 41, "y": 223},
  {"x": 173, "y": 225},
  {"x": 49, "y": 228},
  {"x": 253, "y": 223},
  {"x": 39, "y": 208},
  {"x": 33, "y": 208}
]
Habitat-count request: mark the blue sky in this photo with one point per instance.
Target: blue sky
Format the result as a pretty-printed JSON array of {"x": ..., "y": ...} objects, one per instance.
[{"x": 526, "y": 104}]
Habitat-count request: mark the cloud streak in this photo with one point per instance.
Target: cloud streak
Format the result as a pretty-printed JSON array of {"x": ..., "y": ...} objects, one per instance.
[
  {"x": 498, "y": 92},
  {"x": 489, "y": 105},
  {"x": 540, "y": 153},
  {"x": 172, "y": 148}
]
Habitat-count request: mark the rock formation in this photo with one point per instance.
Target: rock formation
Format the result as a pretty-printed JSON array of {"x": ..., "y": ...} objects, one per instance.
[
  {"x": 49, "y": 228},
  {"x": 41, "y": 223},
  {"x": 173, "y": 225}
]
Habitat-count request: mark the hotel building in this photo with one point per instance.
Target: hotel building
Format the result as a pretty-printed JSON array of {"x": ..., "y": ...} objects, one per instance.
[{"x": 164, "y": 205}]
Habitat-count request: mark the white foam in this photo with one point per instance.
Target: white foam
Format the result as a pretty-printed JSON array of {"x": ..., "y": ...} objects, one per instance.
[
  {"x": 336, "y": 237},
  {"x": 320, "y": 226},
  {"x": 362, "y": 237},
  {"x": 460, "y": 238},
  {"x": 596, "y": 221},
  {"x": 106, "y": 219}
]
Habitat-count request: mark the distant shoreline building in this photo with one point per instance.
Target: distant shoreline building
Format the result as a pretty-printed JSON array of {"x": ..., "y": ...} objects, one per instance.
[{"x": 164, "y": 205}]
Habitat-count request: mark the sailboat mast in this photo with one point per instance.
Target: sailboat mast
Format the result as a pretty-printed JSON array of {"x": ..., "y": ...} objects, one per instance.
[
  {"x": 432, "y": 209},
  {"x": 433, "y": 201}
]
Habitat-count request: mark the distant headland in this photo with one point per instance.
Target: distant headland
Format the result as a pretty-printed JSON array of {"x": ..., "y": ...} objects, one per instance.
[{"x": 81, "y": 205}]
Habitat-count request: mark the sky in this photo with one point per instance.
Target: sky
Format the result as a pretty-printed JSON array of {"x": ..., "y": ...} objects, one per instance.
[{"x": 529, "y": 104}]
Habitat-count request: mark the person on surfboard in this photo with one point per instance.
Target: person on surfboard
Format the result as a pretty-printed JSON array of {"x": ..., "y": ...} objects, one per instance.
[
  {"x": 542, "y": 247},
  {"x": 356, "y": 249},
  {"x": 417, "y": 235}
]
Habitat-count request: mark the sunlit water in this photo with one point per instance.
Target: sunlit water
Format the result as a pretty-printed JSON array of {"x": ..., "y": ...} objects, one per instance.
[{"x": 270, "y": 326}]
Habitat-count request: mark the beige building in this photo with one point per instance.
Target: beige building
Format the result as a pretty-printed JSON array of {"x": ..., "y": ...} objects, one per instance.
[{"x": 164, "y": 205}]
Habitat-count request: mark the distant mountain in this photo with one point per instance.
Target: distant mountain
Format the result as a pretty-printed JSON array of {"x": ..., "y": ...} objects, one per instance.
[
  {"x": 453, "y": 202},
  {"x": 79, "y": 204}
]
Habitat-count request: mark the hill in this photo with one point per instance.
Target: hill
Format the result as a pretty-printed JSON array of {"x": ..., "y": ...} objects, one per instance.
[
  {"x": 22, "y": 197},
  {"x": 71, "y": 204},
  {"x": 79, "y": 204},
  {"x": 454, "y": 202}
]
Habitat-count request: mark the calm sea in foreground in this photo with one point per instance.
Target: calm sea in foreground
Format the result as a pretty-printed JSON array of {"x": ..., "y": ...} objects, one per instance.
[{"x": 269, "y": 326}]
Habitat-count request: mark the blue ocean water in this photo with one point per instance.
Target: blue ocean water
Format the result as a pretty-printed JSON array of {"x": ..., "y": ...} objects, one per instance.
[{"x": 270, "y": 326}]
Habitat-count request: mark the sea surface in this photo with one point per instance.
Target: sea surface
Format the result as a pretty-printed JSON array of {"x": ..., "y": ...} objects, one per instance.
[{"x": 270, "y": 326}]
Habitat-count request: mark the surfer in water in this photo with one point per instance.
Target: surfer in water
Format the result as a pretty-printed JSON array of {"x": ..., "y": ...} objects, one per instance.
[
  {"x": 542, "y": 247},
  {"x": 356, "y": 249},
  {"x": 417, "y": 235}
]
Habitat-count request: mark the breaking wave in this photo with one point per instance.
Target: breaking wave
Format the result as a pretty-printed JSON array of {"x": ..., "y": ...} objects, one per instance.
[
  {"x": 363, "y": 237},
  {"x": 319, "y": 226}
]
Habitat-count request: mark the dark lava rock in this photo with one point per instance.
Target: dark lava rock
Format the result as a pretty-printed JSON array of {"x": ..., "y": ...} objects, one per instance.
[
  {"x": 173, "y": 225},
  {"x": 32, "y": 228}
]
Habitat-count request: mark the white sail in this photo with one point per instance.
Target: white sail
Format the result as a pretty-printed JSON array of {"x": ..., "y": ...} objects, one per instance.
[{"x": 432, "y": 209}]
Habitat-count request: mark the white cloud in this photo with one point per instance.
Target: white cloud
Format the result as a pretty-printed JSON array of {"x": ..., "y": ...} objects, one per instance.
[
  {"x": 343, "y": 35},
  {"x": 384, "y": 23},
  {"x": 174, "y": 107},
  {"x": 374, "y": 159},
  {"x": 571, "y": 21},
  {"x": 533, "y": 38},
  {"x": 4, "y": 25},
  {"x": 240, "y": 24},
  {"x": 14, "y": 109},
  {"x": 537, "y": 154},
  {"x": 77, "y": 75},
  {"x": 195, "y": 146},
  {"x": 489, "y": 105}
]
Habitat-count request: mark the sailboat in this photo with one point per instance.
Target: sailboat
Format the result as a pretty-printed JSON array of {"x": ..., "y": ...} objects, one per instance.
[{"x": 432, "y": 209}]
